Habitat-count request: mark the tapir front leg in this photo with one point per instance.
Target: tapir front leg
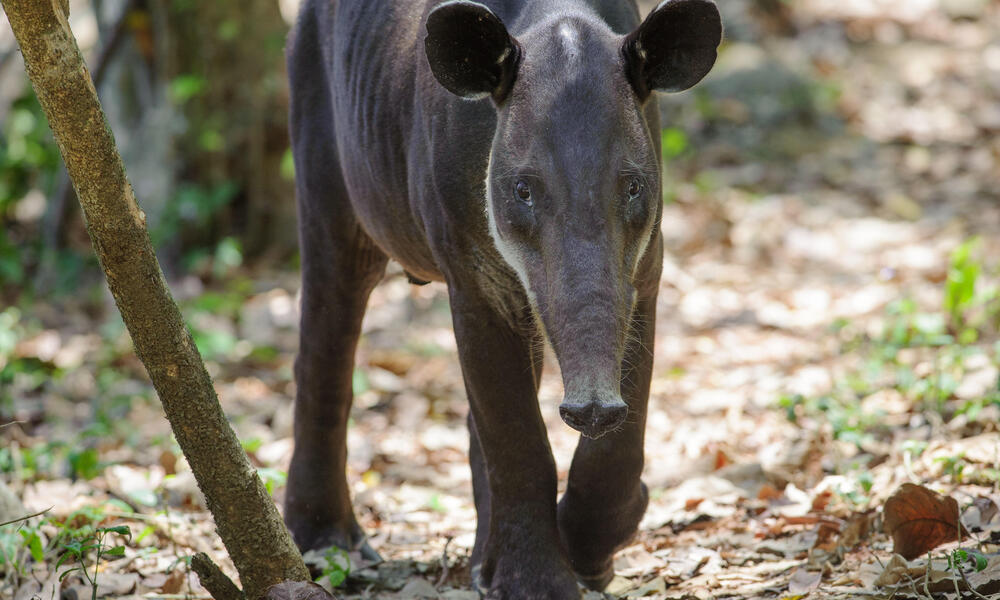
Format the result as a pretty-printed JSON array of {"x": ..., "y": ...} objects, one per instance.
[
  {"x": 605, "y": 498},
  {"x": 522, "y": 557}
]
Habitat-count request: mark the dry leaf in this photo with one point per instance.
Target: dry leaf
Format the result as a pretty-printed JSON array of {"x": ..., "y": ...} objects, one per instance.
[
  {"x": 919, "y": 520},
  {"x": 297, "y": 590},
  {"x": 802, "y": 581},
  {"x": 857, "y": 530},
  {"x": 174, "y": 583},
  {"x": 987, "y": 581},
  {"x": 417, "y": 588},
  {"x": 986, "y": 510}
]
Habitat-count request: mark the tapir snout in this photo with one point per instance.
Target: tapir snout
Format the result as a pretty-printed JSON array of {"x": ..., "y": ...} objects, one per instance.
[{"x": 594, "y": 416}]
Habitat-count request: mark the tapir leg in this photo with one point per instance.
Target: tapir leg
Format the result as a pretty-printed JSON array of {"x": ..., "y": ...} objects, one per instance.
[
  {"x": 522, "y": 556},
  {"x": 480, "y": 483},
  {"x": 340, "y": 266},
  {"x": 605, "y": 497}
]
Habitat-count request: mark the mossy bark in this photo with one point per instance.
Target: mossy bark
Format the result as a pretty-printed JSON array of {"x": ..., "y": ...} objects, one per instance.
[{"x": 245, "y": 515}]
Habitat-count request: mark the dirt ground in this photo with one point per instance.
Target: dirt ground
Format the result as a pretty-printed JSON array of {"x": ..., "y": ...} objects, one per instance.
[{"x": 819, "y": 183}]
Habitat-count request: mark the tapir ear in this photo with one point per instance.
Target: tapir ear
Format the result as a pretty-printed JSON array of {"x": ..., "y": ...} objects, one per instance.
[
  {"x": 470, "y": 52},
  {"x": 674, "y": 47}
]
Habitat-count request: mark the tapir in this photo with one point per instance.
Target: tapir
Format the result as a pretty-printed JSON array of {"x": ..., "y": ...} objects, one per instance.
[{"x": 510, "y": 149}]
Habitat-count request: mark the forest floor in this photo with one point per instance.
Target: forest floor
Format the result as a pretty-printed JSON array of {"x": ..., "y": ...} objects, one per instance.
[{"x": 826, "y": 341}]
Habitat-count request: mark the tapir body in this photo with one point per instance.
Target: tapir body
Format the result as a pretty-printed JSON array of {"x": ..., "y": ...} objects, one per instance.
[{"x": 510, "y": 149}]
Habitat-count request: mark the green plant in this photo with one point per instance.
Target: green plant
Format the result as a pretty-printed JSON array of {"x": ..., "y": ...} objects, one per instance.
[
  {"x": 81, "y": 548},
  {"x": 18, "y": 541},
  {"x": 272, "y": 478},
  {"x": 960, "y": 287},
  {"x": 960, "y": 556},
  {"x": 337, "y": 566}
]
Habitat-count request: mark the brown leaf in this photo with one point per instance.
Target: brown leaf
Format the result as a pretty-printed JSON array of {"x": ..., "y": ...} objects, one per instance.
[
  {"x": 919, "y": 520},
  {"x": 821, "y": 500},
  {"x": 296, "y": 590},
  {"x": 857, "y": 530},
  {"x": 692, "y": 503},
  {"x": 174, "y": 583}
]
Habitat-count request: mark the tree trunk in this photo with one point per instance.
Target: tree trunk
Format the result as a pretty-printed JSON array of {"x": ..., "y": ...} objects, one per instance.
[{"x": 245, "y": 515}]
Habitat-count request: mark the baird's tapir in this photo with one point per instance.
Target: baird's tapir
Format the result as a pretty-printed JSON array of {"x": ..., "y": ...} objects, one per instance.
[{"x": 509, "y": 148}]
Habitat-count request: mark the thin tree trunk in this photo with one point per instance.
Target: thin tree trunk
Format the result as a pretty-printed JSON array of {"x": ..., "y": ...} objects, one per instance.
[{"x": 247, "y": 520}]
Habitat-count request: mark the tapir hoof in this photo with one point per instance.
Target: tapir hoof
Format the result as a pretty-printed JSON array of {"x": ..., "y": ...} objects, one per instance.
[
  {"x": 598, "y": 581},
  {"x": 594, "y": 419}
]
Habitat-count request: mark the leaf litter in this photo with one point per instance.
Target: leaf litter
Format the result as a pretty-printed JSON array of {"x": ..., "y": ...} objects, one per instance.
[{"x": 818, "y": 186}]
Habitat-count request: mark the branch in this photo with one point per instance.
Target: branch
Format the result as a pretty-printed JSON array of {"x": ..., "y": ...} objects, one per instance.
[
  {"x": 247, "y": 520},
  {"x": 37, "y": 514},
  {"x": 214, "y": 580}
]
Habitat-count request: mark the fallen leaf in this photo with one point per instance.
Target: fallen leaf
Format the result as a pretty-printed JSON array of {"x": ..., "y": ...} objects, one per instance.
[
  {"x": 821, "y": 500},
  {"x": 919, "y": 520},
  {"x": 296, "y": 590},
  {"x": 417, "y": 588},
  {"x": 985, "y": 510},
  {"x": 769, "y": 492},
  {"x": 857, "y": 530},
  {"x": 802, "y": 581},
  {"x": 174, "y": 583},
  {"x": 900, "y": 572},
  {"x": 692, "y": 503},
  {"x": 460, "y": 595},
  {"x": 987, "y": 581},
  {"x": 655, "y": 586}
]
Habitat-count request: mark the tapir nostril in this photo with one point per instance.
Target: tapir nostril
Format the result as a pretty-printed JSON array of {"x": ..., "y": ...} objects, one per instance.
[
  {"x": 594, "y": 419},
  {"x": 607, "y": 418},
  {"x": 577, "y": 416}
]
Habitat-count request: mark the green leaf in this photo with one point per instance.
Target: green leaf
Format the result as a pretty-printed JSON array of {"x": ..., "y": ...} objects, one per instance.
[
  {"x": 119, "y": 529},
  {"x": 146, "y": 531},
  {"x": 34, "y": 544},
  {"x": 674, "y": 142},
  {"x": 115, "y": 551},
  {"x": 85, "y": 463},
  {"x": 68, "y": 571},
  {"x": 185, "y": 87}
]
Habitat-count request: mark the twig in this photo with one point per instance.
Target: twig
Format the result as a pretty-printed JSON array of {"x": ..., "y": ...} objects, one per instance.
[
  {"x": 214, "y": 580},
  {"x": 927, "y": 576},
  {"x": 27, "y": 517},
  {"x": 444, "y": 563},
  {"x": 12, "y": 423},
  {"x": 969, "y": 585}
]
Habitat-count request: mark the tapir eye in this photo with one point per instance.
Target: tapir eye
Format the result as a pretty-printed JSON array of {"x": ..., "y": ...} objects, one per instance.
[
  {"x": 523, "y": 191},
  {"x": 634, "y": 188}
]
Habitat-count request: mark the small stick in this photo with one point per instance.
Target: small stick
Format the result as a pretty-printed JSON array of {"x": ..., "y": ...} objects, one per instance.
[
  {"x": 444, "y": 563},
  {"x": 969, "y": 585},
  {"x": 37, "y": 514}
]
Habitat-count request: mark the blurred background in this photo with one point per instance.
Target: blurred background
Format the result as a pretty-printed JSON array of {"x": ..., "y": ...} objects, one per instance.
[{"x": 828, "y": 313}]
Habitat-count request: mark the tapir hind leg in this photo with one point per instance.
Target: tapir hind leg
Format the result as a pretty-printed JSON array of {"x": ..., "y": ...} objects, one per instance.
[
  {"x": 605, "y": 498},
  {"x": 340, "y": 266}
]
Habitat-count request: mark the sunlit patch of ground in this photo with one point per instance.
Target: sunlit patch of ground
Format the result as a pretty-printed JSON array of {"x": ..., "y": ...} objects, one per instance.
[{"x": 808, "y": 361}]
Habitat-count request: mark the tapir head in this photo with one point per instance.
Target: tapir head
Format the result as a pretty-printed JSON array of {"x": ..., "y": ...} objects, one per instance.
[{"x": 573, "y": 184}]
